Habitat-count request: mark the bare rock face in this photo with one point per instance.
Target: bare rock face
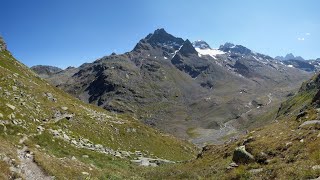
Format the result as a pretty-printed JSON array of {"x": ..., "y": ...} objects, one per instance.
[{"x": 3, "y": 45}]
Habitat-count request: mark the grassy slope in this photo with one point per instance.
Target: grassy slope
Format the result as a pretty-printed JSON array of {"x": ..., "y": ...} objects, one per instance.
[
  {"x": 291, "y": 152},
  {"x": 54, "y": 155}
]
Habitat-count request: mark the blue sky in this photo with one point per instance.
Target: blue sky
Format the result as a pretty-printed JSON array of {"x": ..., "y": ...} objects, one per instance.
[{"x": 70, "y": 32}]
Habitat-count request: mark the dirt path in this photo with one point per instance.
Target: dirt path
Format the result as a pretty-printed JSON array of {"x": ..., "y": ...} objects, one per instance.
[
  {"x": 28, "y": 168},
  {"x": 270, "y": 99}
]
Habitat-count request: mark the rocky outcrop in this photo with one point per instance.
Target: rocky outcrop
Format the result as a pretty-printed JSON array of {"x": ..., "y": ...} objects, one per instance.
[
  {"x": 310, "y": 124},
  {"x": 241, "y": 156},
  {"x": 3, "y": 45}
]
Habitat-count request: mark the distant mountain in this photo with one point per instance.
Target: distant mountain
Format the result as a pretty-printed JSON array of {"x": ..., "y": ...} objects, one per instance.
[
  {"x": 289, "y": 57},
  {"x": 45, "y": 71},
  {"x": 309, "y": 66},
  {"x": 188, "y": 89}
]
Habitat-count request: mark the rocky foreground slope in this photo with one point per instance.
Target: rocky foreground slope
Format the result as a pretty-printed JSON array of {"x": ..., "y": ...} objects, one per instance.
[
  {"x": 287, "y": 148},
  {"x": 45, "y": 133},
  {"x": 188, "y": 89}
]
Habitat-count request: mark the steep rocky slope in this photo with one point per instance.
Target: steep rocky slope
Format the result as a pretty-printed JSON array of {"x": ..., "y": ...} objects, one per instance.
[
  {"x": 190, "y": 90},
  {"x": 287, "y": 148},
  {"x": 46, "y": 133}
]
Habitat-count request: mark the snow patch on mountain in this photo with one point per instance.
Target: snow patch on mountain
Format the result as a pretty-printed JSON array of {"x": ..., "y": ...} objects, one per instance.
[{"x": 210, "y": 52}]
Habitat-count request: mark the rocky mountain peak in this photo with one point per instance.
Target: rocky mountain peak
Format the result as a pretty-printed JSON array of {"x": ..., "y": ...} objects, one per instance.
[
  {"x": 160, "y": 31},
  {"x": 229, "y": 47},
  {"x": 289, "y": 56},
  {"x": 3, "y": 45},
  {"x": 201, "y": 44},
  {"x": 159, "y": 38},
  {"x": 162, "y": 38},
  {"x": 187, "y": 48}
]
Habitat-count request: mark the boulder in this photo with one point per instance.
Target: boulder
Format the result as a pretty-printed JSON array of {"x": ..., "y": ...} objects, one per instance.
[
  {"x": 240, "y": 155},
  {"x": 310, "y": 124}
]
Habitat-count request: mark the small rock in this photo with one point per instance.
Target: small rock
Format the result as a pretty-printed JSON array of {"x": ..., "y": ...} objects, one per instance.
[
  {"x": 316, "y": 167},
  {"x": 301, "y": 140},
  {"x": 118, "y": 154},
  {"x": 66, "y": 137},
  {"x": 73, "y": 158},
  {"x": 1, "y": 115},
  {"x": 14, "y": 88},
  {"x": 255, "y": 171},
  {"x": 40, "y": 128},
  {"x": 301, "y": 114},
  {"x": 98, "y": 146},
  {"x": 85, "y": 156},
  {"x": 288, "y": 144},
  {"x": 55, "y": 133},
  {"x": 85, "y": 173},
  {"x": 233, "y": 164},
  {"x": 74, "y": 142},
  {"x": 11, "y": 106},
  {"x": 138, "y": 153},
  {"x": 64, "y": 108}
]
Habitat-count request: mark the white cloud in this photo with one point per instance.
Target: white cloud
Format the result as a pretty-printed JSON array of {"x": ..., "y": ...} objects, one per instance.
[
  {"x": 308, "y": 34},
  {"x": 300, "y": 39}
]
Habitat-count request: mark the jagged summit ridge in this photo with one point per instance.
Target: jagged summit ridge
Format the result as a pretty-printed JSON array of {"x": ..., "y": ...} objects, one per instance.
[
  {"x": 289, "y": 56},
  {"x": 201, "y": 44},
  {"x": 231, "y": 48},
  {"x": 161, "y": 38}
]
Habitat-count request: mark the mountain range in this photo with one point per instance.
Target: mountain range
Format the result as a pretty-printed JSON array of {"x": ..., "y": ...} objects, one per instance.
[
  {"x": 45, "y": 133},
  {"x": 187, "y": 89}
]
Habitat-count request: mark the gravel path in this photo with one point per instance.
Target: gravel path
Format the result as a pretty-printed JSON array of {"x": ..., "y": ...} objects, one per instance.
[{"x": 28, "y": 168}]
